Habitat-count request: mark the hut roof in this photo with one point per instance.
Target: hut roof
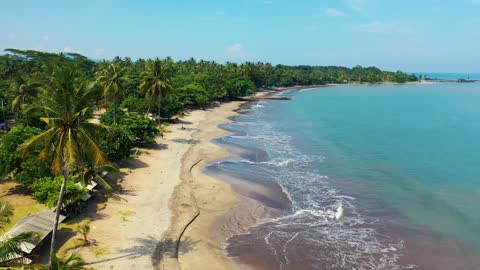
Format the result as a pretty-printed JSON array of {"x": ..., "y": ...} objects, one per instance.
[{"x": 40, "y": 223}]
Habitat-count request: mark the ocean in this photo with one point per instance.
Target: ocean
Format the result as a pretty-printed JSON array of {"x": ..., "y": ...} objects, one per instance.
[{"x": 359, "y": 177}]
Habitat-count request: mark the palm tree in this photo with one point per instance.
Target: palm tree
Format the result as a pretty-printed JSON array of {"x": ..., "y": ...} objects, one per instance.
[
  {"x": 84, "y": 229},
  {"x": 22, "y": 91},
  {"x": 90, "y": 172},
  {"x": 70, "y": 137},
  {"x": 156, "y": 82},
  {"x": 11, "y": 245},
  {"x": 111, "y": 79},
  {"x": 72, "y": 262}
]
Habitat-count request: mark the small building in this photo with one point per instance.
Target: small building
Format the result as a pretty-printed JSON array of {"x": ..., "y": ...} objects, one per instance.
[{"x": 41, "y": 224}]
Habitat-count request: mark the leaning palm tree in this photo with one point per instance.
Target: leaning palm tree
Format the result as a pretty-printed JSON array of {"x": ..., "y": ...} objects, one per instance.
[
  {"x": 156, "y": 82},
  {"x": 111, "y": 79},
  {"x": 10, "y": 246},
  {"x": 70, "y": 138}
]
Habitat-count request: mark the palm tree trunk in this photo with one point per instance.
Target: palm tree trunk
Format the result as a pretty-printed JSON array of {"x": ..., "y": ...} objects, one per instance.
[
  {"x": 57, "y": 216},
  {"x": 114, "y": 111},
  {"x": 149, "y": 107},
  {"x": 159, "y": 102}
]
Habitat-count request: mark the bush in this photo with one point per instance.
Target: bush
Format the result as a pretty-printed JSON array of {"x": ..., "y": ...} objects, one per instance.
[
  {"x": 10, "y": 160},
  {"x": 107, "y": 118},
  {"x": 134, "y": 104},
  {"x": 238, "y": 86},
  {"x": 193, "y": 95},
  {"x": 46, "y": 190},
  {"x": 31, "y": 119},
  {"x": 117, "y": 144},
  {"x": 170, "y": 106},
  {"x": 30, "y": 169},
  {"x": 142, "y": 129}
]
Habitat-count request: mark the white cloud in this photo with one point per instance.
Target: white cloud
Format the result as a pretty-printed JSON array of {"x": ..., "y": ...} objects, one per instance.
[
  {"x": 383, "y": 27},
  {"x": 333, "y": 12},
  {"x": 236, "y": 51},
  {"x": 45, "y": 38},
  {"x": 357, "y": 5},
  {"x": 99, "y": 51},
  {"x": 69, "y": 49}
]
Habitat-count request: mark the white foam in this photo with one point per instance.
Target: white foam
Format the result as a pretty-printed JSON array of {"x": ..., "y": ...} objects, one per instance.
[{"x": 339, "y": 213}]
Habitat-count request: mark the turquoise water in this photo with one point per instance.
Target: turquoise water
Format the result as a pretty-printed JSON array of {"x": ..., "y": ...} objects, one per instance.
[
  {"x": 378, "y": 177},
  {"x": 414, "y": 147}
]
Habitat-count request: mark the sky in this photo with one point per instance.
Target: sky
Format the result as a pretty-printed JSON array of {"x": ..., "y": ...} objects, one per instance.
[{"x": 409, "y": 35}]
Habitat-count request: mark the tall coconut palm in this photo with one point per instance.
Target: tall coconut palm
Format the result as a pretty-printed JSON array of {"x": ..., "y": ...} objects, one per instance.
[
  {"x": 112, "y": 79},
  {"x": 70, "y": 137},
  {"x": 12, "y": 245},
  {"x": 156, "y": 82}
]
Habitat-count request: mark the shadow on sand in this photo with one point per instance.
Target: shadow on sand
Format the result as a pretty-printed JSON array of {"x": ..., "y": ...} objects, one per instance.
[{"x": 150, "y": 246}]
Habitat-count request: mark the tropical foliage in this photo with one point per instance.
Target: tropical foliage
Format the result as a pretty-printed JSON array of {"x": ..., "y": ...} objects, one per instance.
[
  {"x": 11, "y": 246},
  {"x": 69, "y": 138},
  {"x": 72, "y": 262}
]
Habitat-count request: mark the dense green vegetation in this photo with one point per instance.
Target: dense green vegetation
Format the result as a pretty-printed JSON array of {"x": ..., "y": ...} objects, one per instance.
[
  {"x": 70, "y": 116},
  {"x": 167, "y": 87}
]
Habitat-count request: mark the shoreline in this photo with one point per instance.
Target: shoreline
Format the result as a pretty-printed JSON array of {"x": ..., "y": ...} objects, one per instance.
[
  {"x": 160, "y": 191},
  {"x": 203, "y": 204}
]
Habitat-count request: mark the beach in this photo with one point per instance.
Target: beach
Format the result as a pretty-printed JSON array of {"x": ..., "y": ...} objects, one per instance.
[{"x": 162, "y": 190}]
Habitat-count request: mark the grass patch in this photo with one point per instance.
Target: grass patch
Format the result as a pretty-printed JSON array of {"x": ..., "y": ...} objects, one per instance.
[
  {"x": 76, "y": 243},
  {"x": 73, "y": 244},
  {"x": 24, "y": 205},
  {"x": 126, "y": 213},
  {"x": 99, "y": 251}
]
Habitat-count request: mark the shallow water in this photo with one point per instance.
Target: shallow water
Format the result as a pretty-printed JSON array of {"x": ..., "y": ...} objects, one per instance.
[{"x": 360, "y": 177}]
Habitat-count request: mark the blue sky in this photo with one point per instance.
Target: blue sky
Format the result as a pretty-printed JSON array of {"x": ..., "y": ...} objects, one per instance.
[{"x": 411, "y": 35}]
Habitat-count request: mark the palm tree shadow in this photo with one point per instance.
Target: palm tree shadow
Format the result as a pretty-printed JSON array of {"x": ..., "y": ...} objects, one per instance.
[
  {"x": 186, "y": 141},
  {"x": 156, "y": 146},
  {"x": 133, "y": 164},
  {"x": 17, "y": 190},
  {"x": 150, "y": 245}
]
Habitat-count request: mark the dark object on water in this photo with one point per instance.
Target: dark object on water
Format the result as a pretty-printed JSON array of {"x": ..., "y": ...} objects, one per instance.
[{"x": 466, "y": 81}]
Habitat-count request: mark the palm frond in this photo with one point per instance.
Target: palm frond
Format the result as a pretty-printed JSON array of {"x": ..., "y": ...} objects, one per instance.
[
  {"x": 11, "y": 246},
  {"x": 91, "y": 149},
  {"x": 103, "y": 183},
  {"x": 6, "y": 211},
  {"x": 38, "y": 108},
  {"x": 41, "y": 139}
]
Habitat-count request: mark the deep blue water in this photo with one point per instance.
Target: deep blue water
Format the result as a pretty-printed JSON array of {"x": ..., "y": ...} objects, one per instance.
[{"x": 402, "y": 161}]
